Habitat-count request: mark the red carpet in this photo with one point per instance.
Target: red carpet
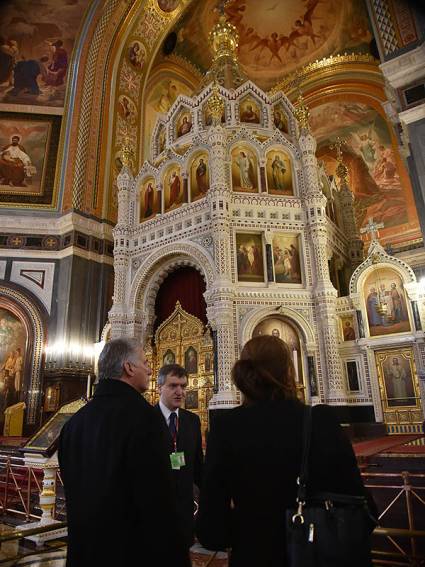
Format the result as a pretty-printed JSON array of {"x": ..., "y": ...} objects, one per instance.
[{"x": 383, "y": 444}]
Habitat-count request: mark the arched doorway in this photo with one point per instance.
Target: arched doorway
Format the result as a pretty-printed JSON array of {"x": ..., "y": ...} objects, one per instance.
[
  {"x": 283, "y": 328},
  {"x": 181, "y": 335},
  {"x": 22, "y": 337},
  {"x": 183, "y": 339}
]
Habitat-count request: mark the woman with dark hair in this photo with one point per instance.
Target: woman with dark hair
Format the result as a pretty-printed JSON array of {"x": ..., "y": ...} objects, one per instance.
[{"x": 253, "y": 459}]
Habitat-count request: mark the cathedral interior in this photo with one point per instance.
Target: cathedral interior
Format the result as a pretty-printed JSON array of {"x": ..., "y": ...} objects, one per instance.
[{"x": 197, "y": 173}]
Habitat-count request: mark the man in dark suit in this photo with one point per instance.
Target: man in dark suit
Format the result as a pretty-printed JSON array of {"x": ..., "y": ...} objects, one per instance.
[
  {"x": 184, "y": 443},
  {"x": 115, "y": 468}
]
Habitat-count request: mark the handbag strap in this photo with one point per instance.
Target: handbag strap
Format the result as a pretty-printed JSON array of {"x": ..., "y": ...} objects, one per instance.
[{"x": 303, "y": 477}]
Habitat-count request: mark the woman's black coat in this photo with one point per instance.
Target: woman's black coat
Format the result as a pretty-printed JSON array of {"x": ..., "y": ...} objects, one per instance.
[{"x": 252, "y": 462}]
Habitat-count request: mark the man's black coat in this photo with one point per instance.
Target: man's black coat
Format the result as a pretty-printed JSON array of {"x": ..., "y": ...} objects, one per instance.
[
  {"x": 189, "y": 440},
  {"x": 115, "y": 468}
]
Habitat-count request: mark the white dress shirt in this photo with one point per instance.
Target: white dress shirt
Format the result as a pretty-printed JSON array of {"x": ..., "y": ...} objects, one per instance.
[{"x": 167, "y": 412}]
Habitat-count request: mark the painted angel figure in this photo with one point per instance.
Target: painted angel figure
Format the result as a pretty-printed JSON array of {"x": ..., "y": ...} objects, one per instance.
[{"x": 246, "y": 168}]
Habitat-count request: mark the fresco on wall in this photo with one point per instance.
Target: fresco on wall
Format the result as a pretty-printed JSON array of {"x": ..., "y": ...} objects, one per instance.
[
  {"x": 199, "y": 177},
  {"x": 150, "y": 200},
  {"x": 36, "y": 41},
  {"x": 173, "y": 188},
  {"x": 23, "y": 153},
  {"x": 137, "y": 54},
  {"x": 249, "y": 257},
  {"x": 286, "y": 258},
  {"x": 127, "y": 109},
  {"x": 384, "y": 287},
  {"x": 375, "y": 169},
  {"x": 277, "y": 36},
  {"x": 13, "y": 339},
  {"x": 279, "y": 173},
  {"x": 162, "y": 95},
  {"x": 244, "y": 170}
]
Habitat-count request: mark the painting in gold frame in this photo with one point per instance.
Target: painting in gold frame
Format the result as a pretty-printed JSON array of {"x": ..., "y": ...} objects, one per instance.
[
  {"x": 286, "y": 258},
  {"x": 249, "y": 111},
  {"x": 279, "y": 173},
  {"x": 244, "y": 169},
  {"x": 249, "y": 257},
  {"x": 183, "y": 123},
  {"x": 280, "y": 120},
  {"x": 199, "y": 176},
  {"x": 384, "y": 287},
  {"x": 173, "y": 188},
  {"x": 29, "y": 178},
  {"x": 397, "y": 375},
  {"x": 348, "y": 332},
  {"x": 150, "y": 200}
]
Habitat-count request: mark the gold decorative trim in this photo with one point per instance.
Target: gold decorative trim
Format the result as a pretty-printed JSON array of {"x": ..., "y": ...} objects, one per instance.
[
  {"x": 73, "y": 407},
  {"x": 321, "y": 66}
]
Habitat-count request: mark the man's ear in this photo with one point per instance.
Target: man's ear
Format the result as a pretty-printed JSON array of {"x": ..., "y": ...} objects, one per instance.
[{"x": 127, "y": 368}]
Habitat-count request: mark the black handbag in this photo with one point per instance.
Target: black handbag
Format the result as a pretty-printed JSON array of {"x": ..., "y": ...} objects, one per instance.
[{"x": 326, "y": 530}]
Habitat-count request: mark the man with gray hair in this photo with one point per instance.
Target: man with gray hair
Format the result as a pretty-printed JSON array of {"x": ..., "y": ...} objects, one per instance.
[{"x": 115, "y": 468}]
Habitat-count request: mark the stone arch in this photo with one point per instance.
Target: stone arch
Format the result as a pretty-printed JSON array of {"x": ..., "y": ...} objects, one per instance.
[
  {"x": 33, "y": 314},
  {"x": 385, "y": 261},
  {"x": 255, "y": 316},
  {"x": 159, "y": 264}
]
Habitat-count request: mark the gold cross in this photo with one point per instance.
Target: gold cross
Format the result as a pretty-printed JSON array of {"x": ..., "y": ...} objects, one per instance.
[{"x": 337, "y": 145}]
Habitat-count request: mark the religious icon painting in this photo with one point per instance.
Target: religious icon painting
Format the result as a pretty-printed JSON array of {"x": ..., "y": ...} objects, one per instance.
[
  {"x": 191, "y": 401},
  {"x": 249, "y": 257},
  {"x": 150, "y": 200},
  {"x": 191, "y": 361},
  {"x": 396, "y": 371},
  {"x": 280, "y": 120},
  {"x": 244, "y": 169},
  {"x": 173, "y": 188},
  {"x": 352, "y": 375},
  {"x": 279, "y": 173},
  {"x": 208, "y": 362},
  {"x": 286, "y": 250},
  {"x": 283, "y": 329},
  {"x": 183, "y": 124},
  {"x": 199, "y": 177},
  {"x": 169, "y": 357},
  {"x": 249, "y": 111},
  {"x": 347, "y": 328},
  {"x": 13, "y": 341},
  {"x": 127, "y": 109},
  {"x": 161, "y": 138},
  {"x": 207, "y": 116},
  {"x": 168, "y": 5},
  {"x": 137, "y": 54},
  {"x": 385, "y": 302},
  {"x": 23, "y": 158}
]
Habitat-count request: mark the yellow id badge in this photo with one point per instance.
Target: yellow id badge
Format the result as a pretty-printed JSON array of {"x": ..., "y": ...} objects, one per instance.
[{"x": 177, "y": 460}]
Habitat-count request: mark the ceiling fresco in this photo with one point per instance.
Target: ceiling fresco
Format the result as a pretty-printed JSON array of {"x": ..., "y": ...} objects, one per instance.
[{"x": 277, "y": 36}]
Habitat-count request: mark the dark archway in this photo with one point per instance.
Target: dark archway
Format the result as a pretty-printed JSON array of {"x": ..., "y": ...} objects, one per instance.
[{"x": 186, "y": 285}]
